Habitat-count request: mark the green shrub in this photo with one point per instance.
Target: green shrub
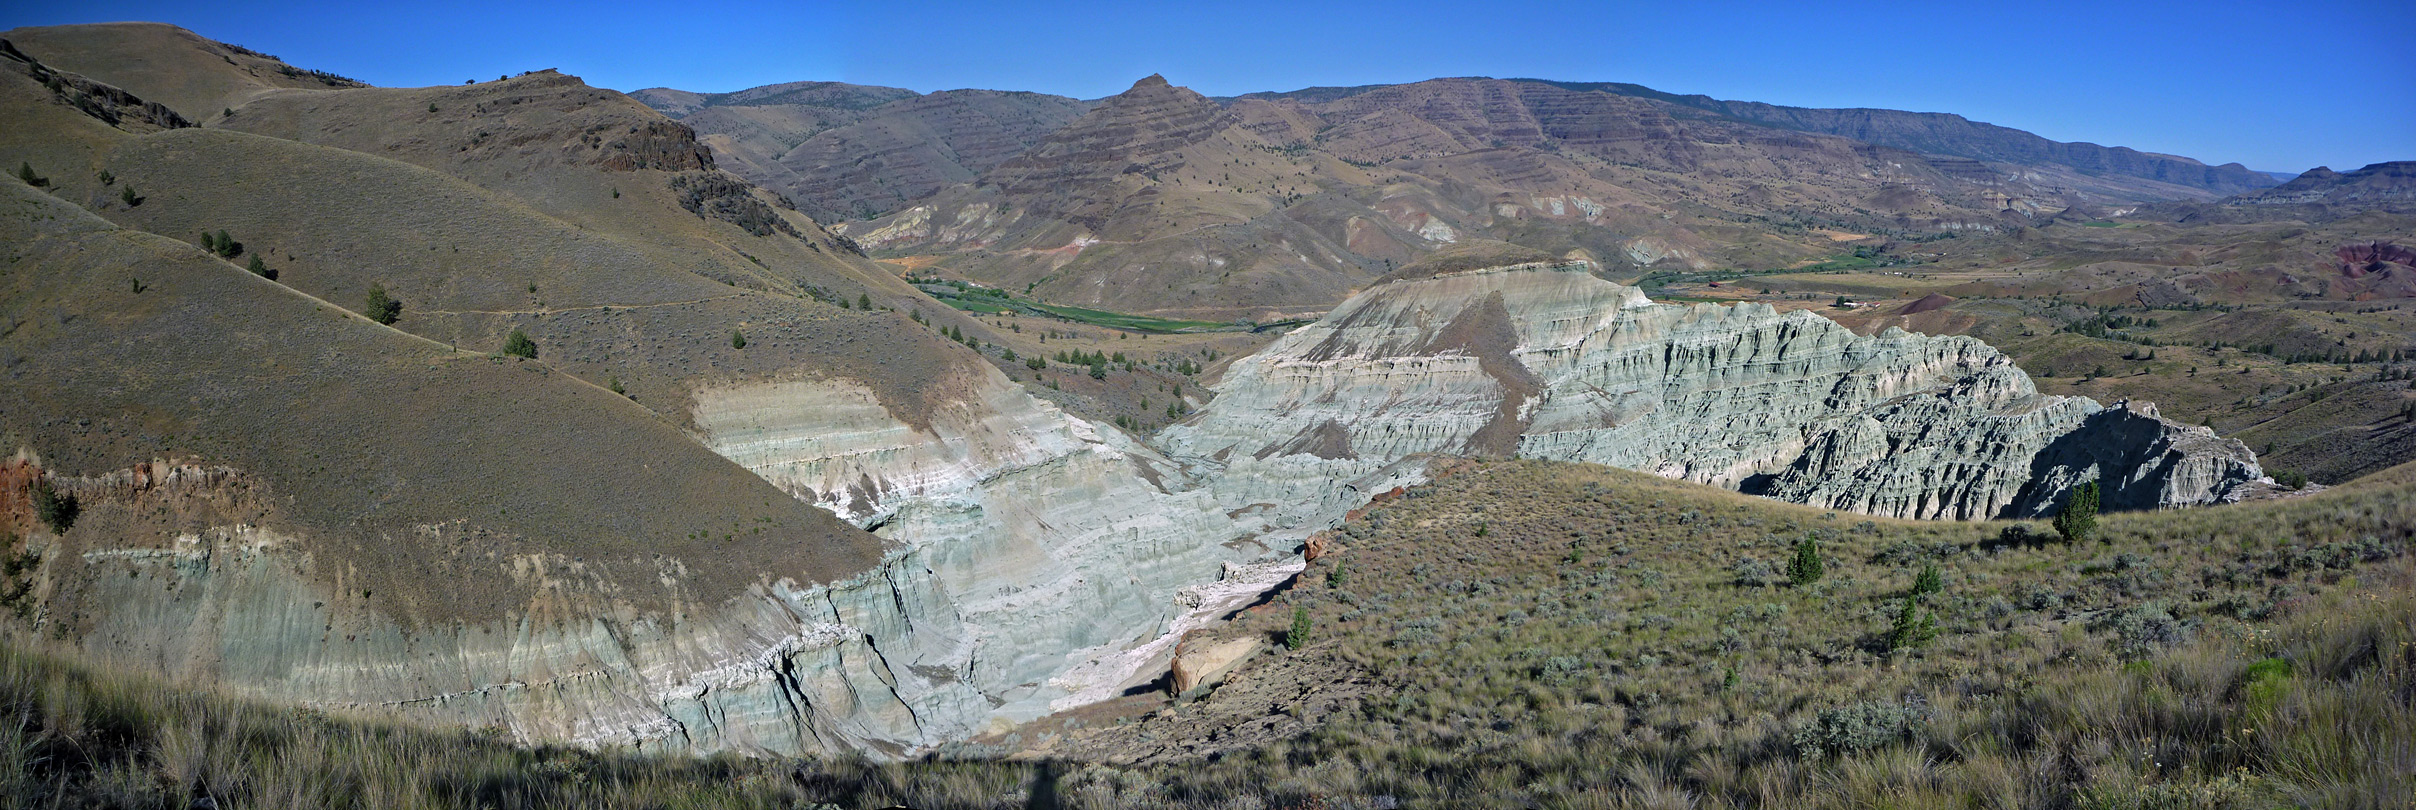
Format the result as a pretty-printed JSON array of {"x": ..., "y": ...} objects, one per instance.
[
  {"x": 381, "y": 307},
  {"x": 1751, "y": 572},
  {"x": 25, "y": 172},
  {"x": 1858, "y": 727},
  {"x": 56, "y": 509},
  {"x": 126, "y": 194},
  {"x": 1806, "y": 566},
  {"x": 2290, "y": 478},
  {"x": 2077, "y": 521},
  {"x": 1913, "y": 626},
  {"x": 261, "y": 269},
  {"x": 518, "y": 344},
  {"x": 738, "y": 339},
  {"x": 2143, "y": 630},
  {"x": 1929, "y": 581},
  {"x": 2263, "y": 683},
  {"x": 1298, "y": 636}
]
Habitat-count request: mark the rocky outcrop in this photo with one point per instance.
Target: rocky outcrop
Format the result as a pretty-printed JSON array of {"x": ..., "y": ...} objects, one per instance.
[
  {"x": 1203, "y": 661},
  {"x": 1067, "y": 550},
  {"x": 1547, "y": 361},
  {"x": 111, "y": 105}
]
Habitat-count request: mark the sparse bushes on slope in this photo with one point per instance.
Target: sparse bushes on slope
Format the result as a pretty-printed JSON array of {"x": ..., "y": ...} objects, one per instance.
[
  {"x": 221, "y": 244},
  {"x": 2023, "y": 665}
]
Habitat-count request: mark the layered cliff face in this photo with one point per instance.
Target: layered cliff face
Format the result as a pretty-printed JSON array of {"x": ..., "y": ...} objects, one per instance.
[
  {"x": 1060, "y": 544},
  {"x": 1543, "y": 360}
]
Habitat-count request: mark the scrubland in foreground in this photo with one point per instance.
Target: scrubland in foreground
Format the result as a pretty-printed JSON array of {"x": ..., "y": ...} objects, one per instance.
[{"x": 1566, "y": 636}]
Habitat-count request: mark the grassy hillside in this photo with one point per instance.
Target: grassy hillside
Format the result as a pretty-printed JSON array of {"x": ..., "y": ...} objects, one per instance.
[
  {"x": 195, "y": 75},
  {"x": 124, "y": 348},
  {"x": 1553, "y": 635},
  {"x": 1578, "y": 636}
]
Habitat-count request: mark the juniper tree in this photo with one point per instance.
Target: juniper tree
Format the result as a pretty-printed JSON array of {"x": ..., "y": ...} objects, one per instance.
[
  {"x": 1298, "y": 636},
  {"x": 261, "y": 269},
  {"x": 54, "y": 508},
  {"x": 518, "y": 344},
  {"x": 2077, "y": 522},
  {"x": 381, "y": 307},
  {"x": 1806, "y": 566}
]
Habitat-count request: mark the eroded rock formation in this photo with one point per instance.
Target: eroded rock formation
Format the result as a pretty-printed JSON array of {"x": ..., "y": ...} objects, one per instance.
[{"x": 1544, "y": 360}]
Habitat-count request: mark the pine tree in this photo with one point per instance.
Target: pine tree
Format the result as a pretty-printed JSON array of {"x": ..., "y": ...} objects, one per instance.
[
  {"x": 1913, "y": 627},
  {"x": 1298, "y": 636},
  {"x": 1929, "y": 581},
  {"x": 2078, "y": 520},
  {"x": 1806, "y": 567},
  {"x": 738, "y": 340},
  {"x": 260, "y": 268}
]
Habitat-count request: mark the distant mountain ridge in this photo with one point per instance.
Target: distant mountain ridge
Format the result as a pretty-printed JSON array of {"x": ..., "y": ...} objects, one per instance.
[
  {"x": 876, "y": 149},
  {"x": 2318, "y": 195},
  {"x": 1928, "y": 133},
  {"x": 846, "y": 151},
  {"x": 1163, "y": 201}
]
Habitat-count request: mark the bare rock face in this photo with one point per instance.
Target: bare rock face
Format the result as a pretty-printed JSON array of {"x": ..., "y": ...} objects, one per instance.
[
  {"x": 1061, "y": 546},
  {"x": 1543, "y": 360},
  {"x": 1204, "y": 661}
]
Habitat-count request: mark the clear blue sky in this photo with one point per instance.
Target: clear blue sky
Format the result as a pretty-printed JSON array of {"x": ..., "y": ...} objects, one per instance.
[{"x": 2275, "y": 85}]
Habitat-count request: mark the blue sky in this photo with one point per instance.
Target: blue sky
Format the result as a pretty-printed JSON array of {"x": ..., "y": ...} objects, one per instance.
[{"x": 2277, "y": 86}]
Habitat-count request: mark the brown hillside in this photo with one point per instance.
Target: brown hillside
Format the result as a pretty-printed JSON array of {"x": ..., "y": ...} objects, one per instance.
[
  {"x": 195, "y": 75},
  {"x": 405, "y": 462}
]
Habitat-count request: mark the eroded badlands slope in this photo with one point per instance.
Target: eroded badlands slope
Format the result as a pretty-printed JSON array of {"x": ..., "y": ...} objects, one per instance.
[{"x": 1541, "y": 359}]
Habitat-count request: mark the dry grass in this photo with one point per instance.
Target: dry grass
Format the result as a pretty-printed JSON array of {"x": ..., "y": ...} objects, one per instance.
[{"x": 1558, "y": 632}]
